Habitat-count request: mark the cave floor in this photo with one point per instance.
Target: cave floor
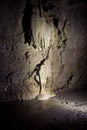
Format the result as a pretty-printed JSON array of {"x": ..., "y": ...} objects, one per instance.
[{"x": 66, "y": 111}]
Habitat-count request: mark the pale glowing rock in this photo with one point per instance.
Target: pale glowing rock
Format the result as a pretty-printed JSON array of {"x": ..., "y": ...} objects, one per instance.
[
  {"x": 45, "y": 96},
  {"x": 42, "y": 32},
  {"x": 45, "y": 72}
]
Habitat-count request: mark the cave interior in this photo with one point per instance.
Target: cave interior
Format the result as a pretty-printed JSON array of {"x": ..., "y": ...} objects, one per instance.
[{"x": 43, "y": 64}]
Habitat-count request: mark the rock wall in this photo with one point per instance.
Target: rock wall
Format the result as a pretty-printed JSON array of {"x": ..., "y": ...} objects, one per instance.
[{"x": 42, "y": 45}]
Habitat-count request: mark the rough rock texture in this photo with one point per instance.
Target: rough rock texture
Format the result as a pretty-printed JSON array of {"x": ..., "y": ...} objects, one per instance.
[{"x": 43, "y": 47}]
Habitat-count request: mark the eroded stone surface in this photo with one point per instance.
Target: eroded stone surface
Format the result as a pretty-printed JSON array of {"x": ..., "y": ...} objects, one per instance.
[{"x": 42, "y": 46}]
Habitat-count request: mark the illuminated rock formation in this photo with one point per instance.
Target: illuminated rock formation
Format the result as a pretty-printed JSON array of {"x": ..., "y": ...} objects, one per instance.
[{"x": 42, "y": 47}]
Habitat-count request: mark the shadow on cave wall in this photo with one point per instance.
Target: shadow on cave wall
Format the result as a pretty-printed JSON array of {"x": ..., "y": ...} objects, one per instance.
[
  {"x": 26, "y": 22},
  {"x": 83, "y": 72}
]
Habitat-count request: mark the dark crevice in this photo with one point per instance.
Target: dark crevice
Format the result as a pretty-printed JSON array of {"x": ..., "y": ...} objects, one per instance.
[
  {"x": 47, "y": 5},
  {"x": 64, "y": 25},
  {"x": 79, "y": 78},
  {"x": 9, "y": 77},
  {"x": 26, "y": 22},
  {"x": 67, "y": 83},
  {"x": 39, "y": 7},
  {"x": 55, "y": 22},
  {"x": 26, "y": 55}
]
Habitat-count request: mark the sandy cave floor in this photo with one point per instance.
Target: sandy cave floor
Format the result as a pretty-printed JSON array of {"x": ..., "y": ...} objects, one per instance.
[{"x": 67, "y": 111}]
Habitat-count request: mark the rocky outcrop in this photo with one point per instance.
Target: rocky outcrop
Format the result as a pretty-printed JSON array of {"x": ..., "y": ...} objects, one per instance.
[{"x": 42, "y": 47}]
